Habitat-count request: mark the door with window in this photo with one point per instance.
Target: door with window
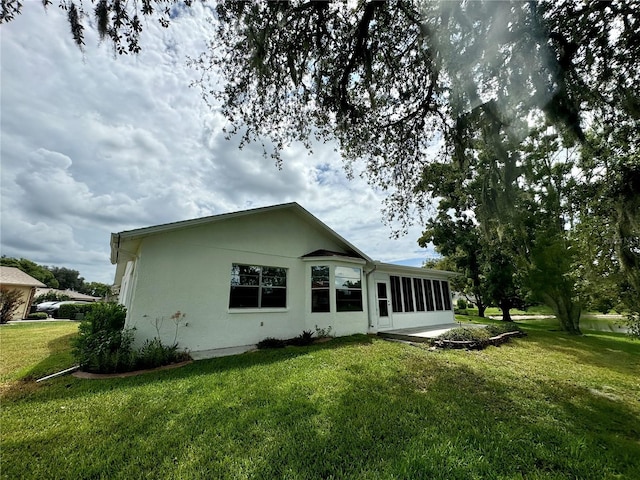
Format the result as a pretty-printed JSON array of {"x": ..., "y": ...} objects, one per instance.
[{"x": 384, "y": 305}]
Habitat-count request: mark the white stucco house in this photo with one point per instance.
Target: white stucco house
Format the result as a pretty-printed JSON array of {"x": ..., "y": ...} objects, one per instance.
[{"x": 241, "y": 277}]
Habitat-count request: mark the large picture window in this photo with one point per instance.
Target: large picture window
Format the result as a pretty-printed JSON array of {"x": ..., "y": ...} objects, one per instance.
[
  {"x": 320, "y": 286},
  {"x": 255, "y": 286},
  {"x": 348, "y": 284}
]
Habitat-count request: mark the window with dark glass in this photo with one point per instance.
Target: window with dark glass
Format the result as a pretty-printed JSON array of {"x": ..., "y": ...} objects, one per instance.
[
  {"x": 407, "y": 294},
  {"x": 256, "y": 286},
  {"x": 437, "y": 290},
  {"x": 446, "y": 296},
  {"x": 348, "y": 285},
  {"x": 396, "y": 294},
  {"x": 417, "y": 288},
  {"x": 320, "y": 286},
  {"x": 428, "y": 291}
]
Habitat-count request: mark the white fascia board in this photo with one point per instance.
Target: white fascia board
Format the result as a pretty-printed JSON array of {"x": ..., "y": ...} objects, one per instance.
[{"x": 415, "y": 271}]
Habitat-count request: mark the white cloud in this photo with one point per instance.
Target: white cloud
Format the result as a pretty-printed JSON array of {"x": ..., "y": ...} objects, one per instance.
[{"x": 93, "y": 144}]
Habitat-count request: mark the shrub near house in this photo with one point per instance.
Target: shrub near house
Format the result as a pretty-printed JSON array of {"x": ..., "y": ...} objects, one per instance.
[{"x": 105, "y": 346}]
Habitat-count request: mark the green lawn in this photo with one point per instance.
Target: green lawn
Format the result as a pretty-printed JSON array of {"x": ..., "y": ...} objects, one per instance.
[{"x": 545, "y": 406}]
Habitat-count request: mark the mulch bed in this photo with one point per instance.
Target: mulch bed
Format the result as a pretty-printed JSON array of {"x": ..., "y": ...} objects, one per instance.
[{"x": 97, "y": 376}]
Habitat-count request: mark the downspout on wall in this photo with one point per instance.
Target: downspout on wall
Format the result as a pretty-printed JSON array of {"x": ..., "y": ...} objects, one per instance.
[{"x": 370, "y": 291}]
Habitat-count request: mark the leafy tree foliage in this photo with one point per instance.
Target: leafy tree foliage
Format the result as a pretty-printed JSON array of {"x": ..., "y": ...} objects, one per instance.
[
  {"x": 68, "y": 279},
  {"x": 39, "y": 272},
  {"x": 119, "y": 21},
  {"x": 51, "y": 297},
  {"x": 460, "y": 243},
  {"x": 465, "y": 101},
  {"x": 96, "y": 289},
  {"x": 58, "y": 277},
  {"x": 394, "y": 80}
]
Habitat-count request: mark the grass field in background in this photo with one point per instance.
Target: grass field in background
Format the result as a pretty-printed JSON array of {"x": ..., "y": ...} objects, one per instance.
[{"x": 548, "y": 405}]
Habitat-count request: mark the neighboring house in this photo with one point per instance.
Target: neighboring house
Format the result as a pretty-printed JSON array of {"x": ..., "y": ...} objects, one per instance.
[
  {"x": 69, "y": 293},
  {"x": 15, "y": 279},
  {"x": 241, "y": 277}
]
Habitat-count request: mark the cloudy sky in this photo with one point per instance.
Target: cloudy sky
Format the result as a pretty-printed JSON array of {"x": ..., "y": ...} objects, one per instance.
[{"x": 93, "y": 144}]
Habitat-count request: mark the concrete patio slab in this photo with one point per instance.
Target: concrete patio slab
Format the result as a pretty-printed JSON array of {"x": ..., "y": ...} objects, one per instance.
[{"x": 424, "y": 334}]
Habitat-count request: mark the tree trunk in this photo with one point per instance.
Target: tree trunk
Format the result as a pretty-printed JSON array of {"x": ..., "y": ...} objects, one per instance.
[
  {"x": 567, "y": 311},
  {"x": 481, "y": 309},
  {"x": 505, "y": 306}
]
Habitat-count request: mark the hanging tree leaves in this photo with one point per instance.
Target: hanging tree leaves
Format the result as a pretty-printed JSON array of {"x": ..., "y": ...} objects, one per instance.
[{"x": 436, "y": 99}]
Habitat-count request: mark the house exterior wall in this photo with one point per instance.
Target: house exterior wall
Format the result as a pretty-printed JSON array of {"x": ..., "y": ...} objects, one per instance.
[
  {"x": 189, "y": 270},
  {"x": 26, "y": 293}
]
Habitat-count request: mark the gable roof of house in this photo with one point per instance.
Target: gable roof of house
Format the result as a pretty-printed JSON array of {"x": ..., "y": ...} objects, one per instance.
[
  {"x": 15, "y": 276},
  {"x": 117, "y": 238}
]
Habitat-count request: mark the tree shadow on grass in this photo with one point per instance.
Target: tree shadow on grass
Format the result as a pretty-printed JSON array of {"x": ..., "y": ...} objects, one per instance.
[{"x": 423, "y": 417}]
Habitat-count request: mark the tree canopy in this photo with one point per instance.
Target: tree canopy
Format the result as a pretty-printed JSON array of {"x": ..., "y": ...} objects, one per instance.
[{"x": 514, "y": 115}]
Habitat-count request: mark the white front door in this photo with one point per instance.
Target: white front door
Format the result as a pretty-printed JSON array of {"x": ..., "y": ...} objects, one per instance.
[{"x": 384, "y": 305}]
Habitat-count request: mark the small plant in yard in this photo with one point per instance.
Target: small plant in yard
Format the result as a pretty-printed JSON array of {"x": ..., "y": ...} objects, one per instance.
[
  {"x": 37, "y": 316},
  {"x": 10, "y": 301},
  {"x": 154, "y": 354},
  {"x": 323, "y": 332},
  {"x": 305, "y": 338},
  {"x": 177, "y": 319}
]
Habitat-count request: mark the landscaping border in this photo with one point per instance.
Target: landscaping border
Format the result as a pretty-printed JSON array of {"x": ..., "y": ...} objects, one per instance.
[{"x": 478, "y": 344}]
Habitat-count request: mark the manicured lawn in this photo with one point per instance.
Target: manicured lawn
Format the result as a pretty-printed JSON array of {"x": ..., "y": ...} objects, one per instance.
[
  {"x": 544, "y": 406},
  {"x": 34, "y": 349}
]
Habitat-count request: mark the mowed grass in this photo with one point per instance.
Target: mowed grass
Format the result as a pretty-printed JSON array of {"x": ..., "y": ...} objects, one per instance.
[
  {"x": 545, "y": 406},
  {"x": 34, "y": 349}
]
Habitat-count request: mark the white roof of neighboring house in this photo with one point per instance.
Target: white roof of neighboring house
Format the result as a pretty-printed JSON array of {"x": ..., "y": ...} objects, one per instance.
[
  {"x": 15, "y": 276},
  {"x": 69, "y": 293}
]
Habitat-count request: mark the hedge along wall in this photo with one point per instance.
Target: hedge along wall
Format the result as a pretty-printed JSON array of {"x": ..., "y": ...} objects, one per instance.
[{"x": 74, "y": 312}]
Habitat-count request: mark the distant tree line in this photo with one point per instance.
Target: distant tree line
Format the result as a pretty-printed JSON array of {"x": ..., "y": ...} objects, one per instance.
[{"x": 61, "y": 278}]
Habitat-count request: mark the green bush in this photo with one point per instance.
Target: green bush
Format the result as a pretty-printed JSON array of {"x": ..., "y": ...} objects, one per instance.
[
  {"x": 74, "y": 311},
  {"x": 106, "y": 352},
  {"x": 305, "y": 338},
  {"x": 37, "y": 316},
  {"x": 102, "y": 346},
  {"x": 466, "y": 334},
  {"x": 51, "y": 297},
  {"x": 462, "y": 304},
  {"x": 105, "y": 346}
]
